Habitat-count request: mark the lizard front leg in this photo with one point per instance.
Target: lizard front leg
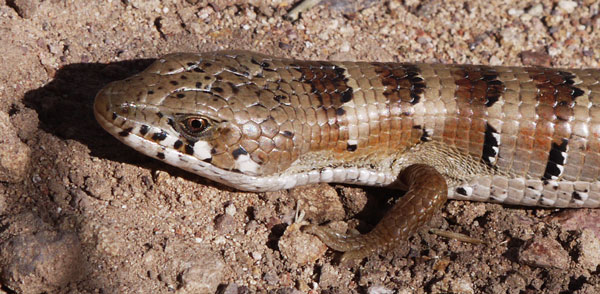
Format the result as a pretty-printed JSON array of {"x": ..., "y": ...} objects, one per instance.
[{"x": 427, "y": 192}]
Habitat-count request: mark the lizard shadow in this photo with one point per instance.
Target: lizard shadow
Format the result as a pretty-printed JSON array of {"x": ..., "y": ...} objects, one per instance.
[{"x": 64, "y": 105}]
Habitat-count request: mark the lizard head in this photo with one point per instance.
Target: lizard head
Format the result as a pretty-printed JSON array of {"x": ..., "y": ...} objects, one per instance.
[{"x": 204, "y": 113}]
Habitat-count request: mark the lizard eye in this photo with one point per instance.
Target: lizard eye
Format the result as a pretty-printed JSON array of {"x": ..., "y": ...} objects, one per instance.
[{"x": 194, "y": 125}]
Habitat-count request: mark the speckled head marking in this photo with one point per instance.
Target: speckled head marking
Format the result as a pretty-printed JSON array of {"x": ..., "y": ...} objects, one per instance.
[{"x": 190, "y": 113}]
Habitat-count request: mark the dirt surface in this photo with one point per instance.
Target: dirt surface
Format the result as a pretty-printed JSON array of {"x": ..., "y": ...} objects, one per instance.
[{"x": 82, "y": 213}]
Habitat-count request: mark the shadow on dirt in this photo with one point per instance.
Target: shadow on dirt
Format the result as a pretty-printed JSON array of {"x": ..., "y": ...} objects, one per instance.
[{"x": 64, "y": 106}]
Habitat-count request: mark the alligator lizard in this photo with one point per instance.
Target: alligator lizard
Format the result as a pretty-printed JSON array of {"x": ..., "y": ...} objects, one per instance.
[{"x": 524, "y": 136}]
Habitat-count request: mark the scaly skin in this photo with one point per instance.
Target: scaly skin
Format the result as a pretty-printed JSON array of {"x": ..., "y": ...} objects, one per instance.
[{"x": 525, "y": 136}]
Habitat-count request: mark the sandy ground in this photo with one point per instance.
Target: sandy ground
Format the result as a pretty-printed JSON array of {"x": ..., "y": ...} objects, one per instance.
[{"x": 82, "y": 213}]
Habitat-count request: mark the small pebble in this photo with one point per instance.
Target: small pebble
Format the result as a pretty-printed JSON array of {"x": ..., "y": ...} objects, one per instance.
[
  {"x": 256, "y": 255},
  {"x": 203, "y": 275},
  {"x": 536, "y": 10},
  {"x": 345, "y": 47},
  {"x": 379, "y": 290},
  {"x": 14, "y": 154},
  {"x": 423, "y": 40},
  {"x": 225, "y": 224},
  {"x": 533, "y": 58},
  {"x": 40, "y": 262},
  {"x": 300, "y": 247},
  {"x": 545, "y": 253},
  {"x": 495, "y": 61},
  {"x": 230, "y": 209},
  {"x": 515, "y": 12},
  {"x": 590, "y": 250},
  {"x": 567, "y": 5}
]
